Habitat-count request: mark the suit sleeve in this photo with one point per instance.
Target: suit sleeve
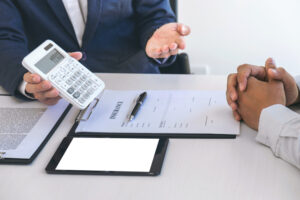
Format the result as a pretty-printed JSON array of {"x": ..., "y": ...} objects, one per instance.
[
  {"x": 13, "y": 48},
  {"x": 152, "y": 14}
]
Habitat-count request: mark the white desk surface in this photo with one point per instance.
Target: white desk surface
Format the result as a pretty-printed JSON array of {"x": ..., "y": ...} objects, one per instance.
[{"x": 207, "y": 169}]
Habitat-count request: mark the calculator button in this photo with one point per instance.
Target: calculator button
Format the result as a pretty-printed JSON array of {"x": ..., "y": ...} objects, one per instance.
[
  {"x": 64, "y": 86},
  {"x": 86, "y": 95},
  {"x": 76, "y": 95},
  {"x": 82, "y": 100},
  {"x": 79, "y": 82},
  {"x": 85, "y": 86},
  {"x": 95, "y": 87},
  {"x": 58, "y": 81},
  {"x": 69, "y": 82},
  {"x": 53, "y": 76},
  {"x": 77, "y": 65},
  {"x": 91, "y": 90},
  {"x": 80, "y": 90},
  {"x": 83, "y": 78},
  {"x": 73, "y": 78},
  {"x": 77, "y": 74},
  {"x": 70, "y": 90},
  {"x": 75, "y": 86},
  {"x": 89, "y": 82},
  {"x": 88, "y": 74},
  {"x": 96, "y": 80},
  {"x": 67, "y": 66}
]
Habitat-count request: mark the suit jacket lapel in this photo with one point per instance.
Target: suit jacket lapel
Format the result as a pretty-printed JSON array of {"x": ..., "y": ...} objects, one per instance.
[
  {"x": 94, "y": 7},
  {"x": 59, "y": 10}
]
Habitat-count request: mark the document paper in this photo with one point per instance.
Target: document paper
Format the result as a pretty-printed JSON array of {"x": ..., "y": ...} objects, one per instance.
[
  {"x": 191, "y": 112},
  {"x": 25, "y": 125}
]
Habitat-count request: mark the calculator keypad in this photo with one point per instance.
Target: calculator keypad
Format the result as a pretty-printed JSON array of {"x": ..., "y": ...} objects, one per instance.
[{"x": 79, "y": 82}]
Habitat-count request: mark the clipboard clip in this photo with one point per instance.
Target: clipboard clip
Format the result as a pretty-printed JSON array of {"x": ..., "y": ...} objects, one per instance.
[
  {"x": 1, "y": 155},
  {"x": 85, "y": 114}
]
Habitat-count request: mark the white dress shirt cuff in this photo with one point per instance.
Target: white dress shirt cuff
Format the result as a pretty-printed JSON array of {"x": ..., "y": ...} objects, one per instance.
[
  {"x": 22, "y": 88},
  {"x": 271, "y": 123}
]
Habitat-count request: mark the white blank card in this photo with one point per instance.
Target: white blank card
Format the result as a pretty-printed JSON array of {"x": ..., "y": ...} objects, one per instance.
[{"x": 109, "y": 154}]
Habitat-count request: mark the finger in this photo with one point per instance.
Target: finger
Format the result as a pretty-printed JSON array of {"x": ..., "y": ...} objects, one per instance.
[
  {"x": 165, "y": 55},
  {"x": 40, "y": 87},
  {"x": 280, "y": 74},
  {"x": 276, "y": 74},
  {"x": 270, "y": 64},
  {"x": 181, "y": 43},
  {"x": 32, "y": 78},
  {"x": 173, "y": 49},
  {"x": 165, "y": 49},
  {"x": 233, "y": 104},
  {"x": 231, "y": 91},
  {"x": 183, "y": 30},
  {"x": 230, "y": 102},
  {"x": 245, "y": 71},
  {"x": 237, "y": 116},
  {"x": 52, "y": 93},
  {"x": 76, "y": 55},
  {"x": 174, "y": 52},
  {"x": 155, "y": 53},
  {"x": 173, "y": 46},
  {"x": 165, "y": 52}
]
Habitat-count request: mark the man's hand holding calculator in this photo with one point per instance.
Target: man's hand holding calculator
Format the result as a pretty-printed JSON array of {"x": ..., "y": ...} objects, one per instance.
[
  {"x": 42, "y": 90},
  {"x": 54, "y": 73}
]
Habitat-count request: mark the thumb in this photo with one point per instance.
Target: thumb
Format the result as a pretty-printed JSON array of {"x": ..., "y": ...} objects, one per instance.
[
  {"x": 183, "y": 30},
  {"x": 274, "y": 74},
  {"x": 280, "y": 74},
  {"x": 270, "y": 66}
]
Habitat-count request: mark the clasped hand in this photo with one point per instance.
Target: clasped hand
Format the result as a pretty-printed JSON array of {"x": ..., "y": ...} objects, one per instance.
[{"x": 254, "y": 88}]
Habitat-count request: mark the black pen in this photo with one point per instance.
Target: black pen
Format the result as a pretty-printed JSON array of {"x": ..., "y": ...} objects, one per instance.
[{"x": 140, "y": 100}]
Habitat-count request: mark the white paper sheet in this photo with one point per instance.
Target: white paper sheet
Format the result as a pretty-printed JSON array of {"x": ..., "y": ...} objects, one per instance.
[
  {"x": 25, "y": 125},
  {"x": 191, "y": 112},
  {"x": 109, "y": 154}
]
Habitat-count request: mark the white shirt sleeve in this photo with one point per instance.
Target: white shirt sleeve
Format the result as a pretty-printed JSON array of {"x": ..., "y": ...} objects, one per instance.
[
  {"x": 22, "y": 88},
  {"x": 279, "y": 128}
]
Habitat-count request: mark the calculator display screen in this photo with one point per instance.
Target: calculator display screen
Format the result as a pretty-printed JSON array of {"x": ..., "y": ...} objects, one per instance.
[{"x": 49, "y": 61}]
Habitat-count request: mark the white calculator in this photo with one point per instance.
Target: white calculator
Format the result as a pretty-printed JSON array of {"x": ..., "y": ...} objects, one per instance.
[{"x": 75, "y": 82}]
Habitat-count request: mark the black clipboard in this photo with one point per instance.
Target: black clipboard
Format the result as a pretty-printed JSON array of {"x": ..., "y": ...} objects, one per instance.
[
  {"x": 23, "y": 161},
  {"x": 155, "y": 169},
  {"x": 86, "y": 112}
]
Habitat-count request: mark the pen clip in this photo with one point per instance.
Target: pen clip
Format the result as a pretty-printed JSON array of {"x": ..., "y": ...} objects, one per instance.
[{"x": 85, "y": 114}]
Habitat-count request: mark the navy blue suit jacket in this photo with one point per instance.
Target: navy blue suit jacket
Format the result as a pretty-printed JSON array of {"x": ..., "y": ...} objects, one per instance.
[{"x": 114, "y": 39}]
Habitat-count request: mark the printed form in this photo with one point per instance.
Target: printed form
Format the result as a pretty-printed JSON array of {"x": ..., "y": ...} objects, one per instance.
[
  {"x": 25, "y": 125},
  {"x": 168, "y": 111}
]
